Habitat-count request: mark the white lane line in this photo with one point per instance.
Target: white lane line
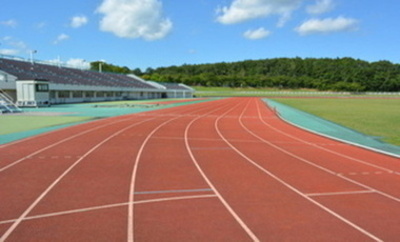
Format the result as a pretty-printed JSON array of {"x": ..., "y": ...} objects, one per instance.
[
  {"x": 318, "y": 146},
  {"x": 89, "y": 209},
  {"x": 370, "y": 188},
  {"x": 130, "y": 230},
  {"x": 365, "y": 232},
  {"x": 223, "y": 201},
  {"x": 175, "y": 198},
  {"x": 33, "y": 205},
  {"x": 320, "y": 167},
  {"x": 337, "y": 193},
  {"x": 173, "y": 191},
  {"x": 57, "y": 143}
]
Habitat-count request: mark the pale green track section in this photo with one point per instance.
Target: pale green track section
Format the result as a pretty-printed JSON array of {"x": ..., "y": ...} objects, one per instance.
[
  {"x": 331, "y": 129},
  {"x": 34, "y": 121}
]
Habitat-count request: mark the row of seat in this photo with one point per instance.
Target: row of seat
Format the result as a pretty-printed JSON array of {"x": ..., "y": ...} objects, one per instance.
[
  {"x": 174, "y": 86},
  {"x": 24, "y": 70}
]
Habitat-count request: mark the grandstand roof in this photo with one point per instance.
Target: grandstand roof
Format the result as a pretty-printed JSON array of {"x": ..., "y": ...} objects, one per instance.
[
  {"x": 25, "y": 70},
  {"x": 175, "y": 86}
]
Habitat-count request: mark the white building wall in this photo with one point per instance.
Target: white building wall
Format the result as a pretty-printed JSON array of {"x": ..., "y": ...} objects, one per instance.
[{"x": 24, "y": 91}]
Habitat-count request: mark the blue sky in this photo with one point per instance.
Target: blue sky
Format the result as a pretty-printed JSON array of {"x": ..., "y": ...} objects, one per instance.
[{"x": 155, "y": 33}]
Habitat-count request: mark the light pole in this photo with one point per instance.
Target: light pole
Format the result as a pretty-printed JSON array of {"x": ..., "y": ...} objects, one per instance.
[
  {"x": 33, "y": 52},
  {"x": 83, "y": 65}
]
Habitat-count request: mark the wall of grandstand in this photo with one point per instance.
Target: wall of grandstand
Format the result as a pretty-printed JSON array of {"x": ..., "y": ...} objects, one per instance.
[
  {"x": 69, "y": 85},
  {"x": 60, "y": 93}
]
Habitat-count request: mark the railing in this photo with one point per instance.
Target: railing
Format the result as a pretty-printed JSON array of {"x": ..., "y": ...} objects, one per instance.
[{"x": 7, "y": 105}]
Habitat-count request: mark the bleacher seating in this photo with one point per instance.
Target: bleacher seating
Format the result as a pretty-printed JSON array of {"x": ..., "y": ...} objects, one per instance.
[
  {"x": 174, "y": 86},
  {"x": 24, "y": 70}
]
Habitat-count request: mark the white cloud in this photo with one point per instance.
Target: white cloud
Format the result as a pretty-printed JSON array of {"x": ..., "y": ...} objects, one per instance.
[
  {"x": 9, "y": 23},
  {"x": 73, "y": 62},
  {"x": 78, "y": 63},
  {"x": 321, "y": 6},
  {"x": 18, "y": 46},
  {"x": 134, "y": 19},
  {"x": 244, "y": 10},
  {"x": 41, "y": 25},
  {"x": 9, "y": 52},
  {"x": 327, "y": 25},
  {"x": 259, "y": 33},
  {"x": 78, "y": 21},
  {"x": 61, "y": 38}
]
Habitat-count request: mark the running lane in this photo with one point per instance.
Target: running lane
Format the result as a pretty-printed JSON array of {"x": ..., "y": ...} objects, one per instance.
[
  {"x": 78, "y": 189},
  {"x": 270, "y": 208},
  {"x": 224, "y": 170},
  {"x": 361, "y": 192}
]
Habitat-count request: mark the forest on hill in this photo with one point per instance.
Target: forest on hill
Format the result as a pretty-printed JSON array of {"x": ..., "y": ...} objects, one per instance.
[{"x": 340, "y": 74}]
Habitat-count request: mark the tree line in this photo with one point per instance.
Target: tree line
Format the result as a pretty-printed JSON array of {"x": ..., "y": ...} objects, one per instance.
[{"x": 340, "y": 74}]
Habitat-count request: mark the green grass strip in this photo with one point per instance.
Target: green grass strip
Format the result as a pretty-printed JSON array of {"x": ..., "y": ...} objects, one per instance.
[
  {"x": 374, "y": 117},
  {"x": 19, "y": 123}
]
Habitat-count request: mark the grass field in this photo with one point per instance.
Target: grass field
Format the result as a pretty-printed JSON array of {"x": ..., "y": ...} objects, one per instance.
[
  {"x": 229, "y": 91},
  {"x": 12, "y": 124},
  {"x": 276, "y": 92},
  {"x": 375, "y": 117},
  {"x": 70, "y": 114}
]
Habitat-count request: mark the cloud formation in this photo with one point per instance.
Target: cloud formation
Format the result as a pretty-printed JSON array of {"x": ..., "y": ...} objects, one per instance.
[
  {"x": 244, "y": 10},
  {"x": 134, "y": 19},
  {"x": 259, "y": 33},
  {"x": 17, "y": 46},
  {"x": 320, "y": 7},
  {"x": 78, "y": 63},
  {"x": 9, "y": 52},
  {"x": 61, "y": 38},
  {"x": 73, "y": 62},
  {"x": 327, "y": 25},
  {"x": 9, "y": 23},
  {"x": 78, "y": 21}
]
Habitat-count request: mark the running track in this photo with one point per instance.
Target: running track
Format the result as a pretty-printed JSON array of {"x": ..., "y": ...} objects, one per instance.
[{"x": 225, "y": 170}]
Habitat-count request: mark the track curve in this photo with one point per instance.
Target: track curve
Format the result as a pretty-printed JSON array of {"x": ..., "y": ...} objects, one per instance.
[{"x": 222, "y": 170}]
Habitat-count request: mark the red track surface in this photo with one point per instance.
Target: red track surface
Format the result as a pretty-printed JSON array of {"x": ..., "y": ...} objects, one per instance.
[{"x": 226, "y": 170}]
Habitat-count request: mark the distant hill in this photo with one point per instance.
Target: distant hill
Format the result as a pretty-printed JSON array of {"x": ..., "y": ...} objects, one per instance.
[{"x": 340, "y": 74}]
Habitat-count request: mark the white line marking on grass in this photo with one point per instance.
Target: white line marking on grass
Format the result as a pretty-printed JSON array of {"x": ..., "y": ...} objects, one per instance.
[{"x": 293, "y": 188}]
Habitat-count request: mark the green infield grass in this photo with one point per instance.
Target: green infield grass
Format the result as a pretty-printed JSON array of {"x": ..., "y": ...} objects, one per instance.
[
  {"x": 245, "y": 91},
  {"x": 374, "y": 117},
  {"x": 17, "y": 123}
]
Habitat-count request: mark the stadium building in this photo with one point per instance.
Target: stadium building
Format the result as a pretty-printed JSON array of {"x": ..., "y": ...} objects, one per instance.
[{"x": 32, "y": 83}]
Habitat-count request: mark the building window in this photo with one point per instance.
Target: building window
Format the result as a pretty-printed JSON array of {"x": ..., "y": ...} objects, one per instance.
[
  {"x": 42, "y": 87},
  {"x": 77, "y": 94},
  {"x": 63, "y": 94},
  {"x": 89, "y": 94}
]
